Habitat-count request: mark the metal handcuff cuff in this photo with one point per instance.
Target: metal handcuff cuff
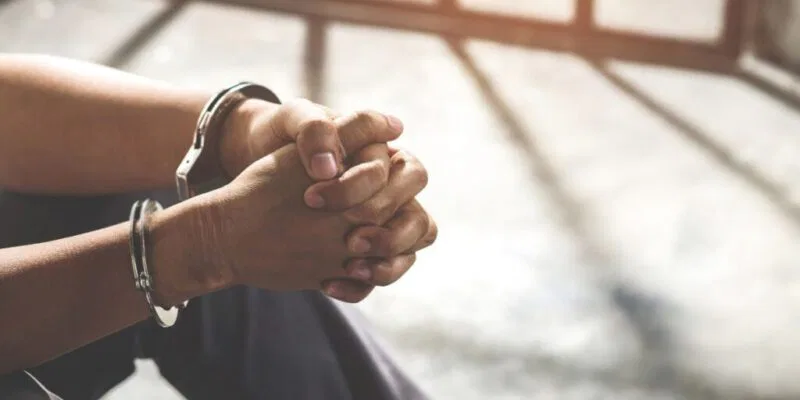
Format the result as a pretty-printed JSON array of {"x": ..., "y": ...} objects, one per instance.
[{"x": 200, "y": 171}]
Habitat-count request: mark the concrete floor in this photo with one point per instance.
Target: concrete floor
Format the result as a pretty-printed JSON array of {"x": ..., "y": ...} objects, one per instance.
[{"x": 614, "y": 231}]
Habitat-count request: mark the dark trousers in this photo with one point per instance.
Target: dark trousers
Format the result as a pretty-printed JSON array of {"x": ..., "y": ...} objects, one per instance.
[{"x": 240, "y": 343}]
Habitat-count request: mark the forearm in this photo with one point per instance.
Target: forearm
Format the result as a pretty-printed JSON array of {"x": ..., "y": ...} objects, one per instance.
[
  {"x": 76, "y": 128},
  {"x": 60, "y": 295}
]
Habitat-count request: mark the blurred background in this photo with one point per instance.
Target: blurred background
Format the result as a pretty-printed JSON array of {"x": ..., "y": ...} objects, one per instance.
[{"x": 616, "y": 181}]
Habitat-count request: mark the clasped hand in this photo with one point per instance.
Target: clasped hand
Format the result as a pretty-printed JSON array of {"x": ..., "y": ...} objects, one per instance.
[{"x": 320, "y": 201}]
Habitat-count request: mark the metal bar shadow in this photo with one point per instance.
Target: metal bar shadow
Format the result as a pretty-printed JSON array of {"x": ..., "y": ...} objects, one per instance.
[
  {"x": 659, "y": 371},
  {"x": 543, "y": 171},
  {"x": 769, "y": 189}
]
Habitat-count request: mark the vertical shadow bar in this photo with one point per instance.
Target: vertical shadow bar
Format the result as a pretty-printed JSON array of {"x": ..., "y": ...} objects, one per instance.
[
  {"x": 733, "y": 28},
  {"x": 542, "y": 170},
  {"x": 314, "y": 66}
]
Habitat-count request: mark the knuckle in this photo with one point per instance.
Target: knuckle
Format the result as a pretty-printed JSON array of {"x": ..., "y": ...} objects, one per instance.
[
  {"x": 377, "y": 173},
  {"x": 433, "y": 235},
  {"x": 368, "y": 120},
  {"x": 410, "y": 259},
  {"x": 423, "y": 223},
  {"x": 317, "y": 127},
  {"x": 393, "y": 247},
  {"x": 356, "y": 191},
  {"x": 363, "y": 214},
  {"x": 345, "y": 198},
  {"x": 279, "y": 119},
  {"x": 385, "y": 208},
  {"x": 369, "y": 213},
  {"x": 372, "y": 151},
  {"x": 387, "y": 245},
  {"x": 418, "y": 173}
]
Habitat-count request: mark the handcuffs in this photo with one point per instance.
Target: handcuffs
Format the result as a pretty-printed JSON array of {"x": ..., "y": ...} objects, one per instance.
[{"x": 200, "y": 171}]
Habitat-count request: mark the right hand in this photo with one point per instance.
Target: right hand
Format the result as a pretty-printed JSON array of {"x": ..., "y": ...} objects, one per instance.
[{"x": 258, "y": 230}]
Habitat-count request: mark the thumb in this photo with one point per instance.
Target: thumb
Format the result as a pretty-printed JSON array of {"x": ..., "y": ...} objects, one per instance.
[
  {"x": 311, "y": 126},
  {"x": 324, "y": 141}
]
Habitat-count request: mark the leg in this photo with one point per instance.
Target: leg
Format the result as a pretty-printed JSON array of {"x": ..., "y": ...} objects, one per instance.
[
  {"x": 371, "y": 372},
  {"x": 258, "y": 344},
  {"x": 91, "y": 371}
]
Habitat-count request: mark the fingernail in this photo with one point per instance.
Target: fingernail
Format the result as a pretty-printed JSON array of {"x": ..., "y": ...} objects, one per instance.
[
  {"x": 361, "y": 245},
  {"x": 394, "y": 123},
  {"x": 334, "y": 289},
  {"x": 362, "y": 272},
  {"x": 323, "y": 165},
  {"x": 314, "y": 200}
]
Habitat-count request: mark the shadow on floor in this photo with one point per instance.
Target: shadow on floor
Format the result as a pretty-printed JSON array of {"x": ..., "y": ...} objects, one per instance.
[
  {"x": 724, "y": 158},
  {"x": 644, "y": 314}
]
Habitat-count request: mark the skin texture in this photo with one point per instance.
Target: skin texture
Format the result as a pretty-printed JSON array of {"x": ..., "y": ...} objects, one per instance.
[{"x": 311, "y": 188}]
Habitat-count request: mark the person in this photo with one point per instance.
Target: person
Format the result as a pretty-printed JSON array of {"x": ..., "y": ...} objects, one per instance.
[{"x": 319, "y": 205}]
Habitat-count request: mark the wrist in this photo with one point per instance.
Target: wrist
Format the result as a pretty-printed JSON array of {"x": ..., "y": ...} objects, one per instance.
[
  {"x": 237, "y": 150},
  {"x": 180, "y": 272}
]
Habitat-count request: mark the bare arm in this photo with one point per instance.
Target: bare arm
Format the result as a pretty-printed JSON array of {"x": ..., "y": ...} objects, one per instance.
[
  {"x": 70, "y": 127},
  {"x": 60, "y": 295}
]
